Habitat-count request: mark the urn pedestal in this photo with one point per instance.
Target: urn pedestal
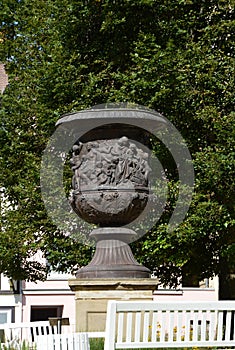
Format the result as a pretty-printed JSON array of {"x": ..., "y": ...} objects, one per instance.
[{"x": 92, "y": 295}]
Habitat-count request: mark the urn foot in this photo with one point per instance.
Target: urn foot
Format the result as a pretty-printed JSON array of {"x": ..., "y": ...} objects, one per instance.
[{"x": 113, "y": 257}]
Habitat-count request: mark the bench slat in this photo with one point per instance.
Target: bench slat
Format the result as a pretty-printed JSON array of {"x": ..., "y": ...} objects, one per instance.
[
  {"x": 146, "y": 326},
  {"x": 194, "y": 306},
  {"x": 220, "y": 326},
  {"x": 204, "y": 326},
  {"x": 228, "y": 325},
  {"x": 187, "y": 326},
  {"x": 162, "y": 323},
  {"x": 212, "y": 325},
  {"x": 120, "y": 327},
  {"x": 129, "y": 327},
  {"x": 233, "y": 326},
  {"x": 110, "y": 327},
  {"x": 179, "y": 326},
  {"x": 154, "y": 328},
  {"x": 171, "y": 326},
  {"x": 137, "y": 326},
  {"x": 182, "y": 344}
]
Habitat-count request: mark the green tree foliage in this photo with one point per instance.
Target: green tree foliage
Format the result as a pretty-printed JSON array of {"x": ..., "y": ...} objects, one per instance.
[{"x": 176, "y": 57}]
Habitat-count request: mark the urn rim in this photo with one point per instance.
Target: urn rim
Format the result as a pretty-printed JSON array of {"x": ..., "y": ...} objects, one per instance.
[{"x": 115, "y": 115}]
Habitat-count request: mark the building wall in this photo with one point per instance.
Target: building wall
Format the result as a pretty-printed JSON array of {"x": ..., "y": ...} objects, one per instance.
[
  {"x": 4, "y": 283},
  {"x": 41, "y": 299},
  {"x": 10, "y": 303},
  {"x": 186, "y": 294},
  {"x": 208, "y": 291},
  {"x": 37, "y": 298}
]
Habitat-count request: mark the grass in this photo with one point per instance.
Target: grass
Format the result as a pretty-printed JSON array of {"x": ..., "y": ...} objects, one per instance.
[
  {"x": 13, "y": 346},
  {"x": 97, "y": 344}
]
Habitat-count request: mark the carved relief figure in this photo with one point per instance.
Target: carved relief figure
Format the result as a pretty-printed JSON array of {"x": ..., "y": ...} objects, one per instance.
[{"x": 109, "y": 163}]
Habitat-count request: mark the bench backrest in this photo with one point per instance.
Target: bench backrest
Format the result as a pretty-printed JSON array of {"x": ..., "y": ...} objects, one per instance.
[{"x": 150, "y": 324}]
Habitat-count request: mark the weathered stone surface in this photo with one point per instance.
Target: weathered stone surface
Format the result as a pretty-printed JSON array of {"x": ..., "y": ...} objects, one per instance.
[{"x": 91, "y": 297}]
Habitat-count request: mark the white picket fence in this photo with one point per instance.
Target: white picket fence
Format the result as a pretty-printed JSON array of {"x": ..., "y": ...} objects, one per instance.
[
  {"x": 16, "y": 333},
  {"x": 41, "y": 335},
  {"x": 73, "y": 341}
]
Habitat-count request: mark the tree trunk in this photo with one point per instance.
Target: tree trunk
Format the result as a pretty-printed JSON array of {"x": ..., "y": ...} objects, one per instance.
[{"x": 225, "y": 287}]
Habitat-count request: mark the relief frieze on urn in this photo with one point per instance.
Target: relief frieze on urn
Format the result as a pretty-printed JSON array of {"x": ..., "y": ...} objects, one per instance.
[{"x": 110, "y": 182}]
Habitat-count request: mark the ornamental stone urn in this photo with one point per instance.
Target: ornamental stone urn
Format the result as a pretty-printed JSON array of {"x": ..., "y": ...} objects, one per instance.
[{"x": 110, "y": 184}]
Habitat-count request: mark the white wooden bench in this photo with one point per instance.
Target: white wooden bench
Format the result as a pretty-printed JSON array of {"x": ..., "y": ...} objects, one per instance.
[{"x": 150, "y": 324}]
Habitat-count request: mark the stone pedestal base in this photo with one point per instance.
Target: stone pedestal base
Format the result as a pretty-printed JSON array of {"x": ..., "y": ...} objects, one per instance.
[{"x": 91, "y": 297}]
